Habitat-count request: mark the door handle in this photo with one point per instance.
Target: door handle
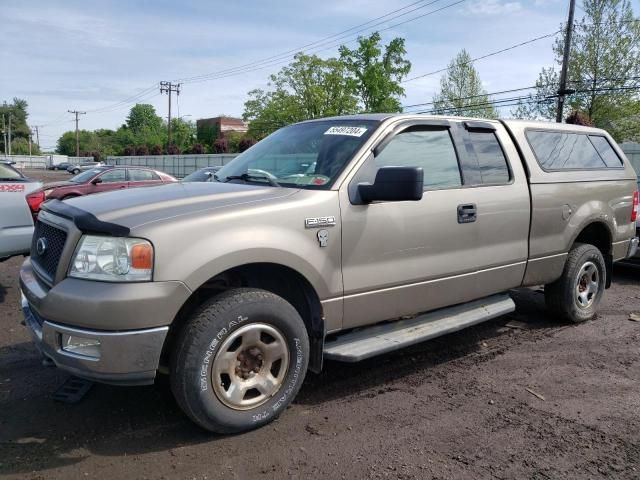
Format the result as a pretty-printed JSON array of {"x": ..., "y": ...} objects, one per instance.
[{"x": 467, "y": 213}]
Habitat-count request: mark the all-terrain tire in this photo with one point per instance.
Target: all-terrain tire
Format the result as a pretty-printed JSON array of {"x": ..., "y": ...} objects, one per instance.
[
  {"x": 239, "y": 333},
  {"x": 575, "y": 296}
]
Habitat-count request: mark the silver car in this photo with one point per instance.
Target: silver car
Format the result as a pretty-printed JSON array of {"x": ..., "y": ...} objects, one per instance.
[{"x": 16, "y": 219}]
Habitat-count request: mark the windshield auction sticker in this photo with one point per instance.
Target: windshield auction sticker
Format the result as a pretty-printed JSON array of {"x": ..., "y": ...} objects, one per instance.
[{"x": 350, "y": 131}]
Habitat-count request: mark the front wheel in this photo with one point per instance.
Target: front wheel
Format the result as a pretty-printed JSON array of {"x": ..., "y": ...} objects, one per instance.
[
  {"x": 575, "y": 296},
  {"x": 239, "y": 360}
]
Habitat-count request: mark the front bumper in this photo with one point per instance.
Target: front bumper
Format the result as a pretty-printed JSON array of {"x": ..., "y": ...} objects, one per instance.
[{"x": 122, "y": 358}]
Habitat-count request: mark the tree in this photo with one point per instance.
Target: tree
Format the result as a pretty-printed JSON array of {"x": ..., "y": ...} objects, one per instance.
[
  {"x": 461, "y": 92},
  {"x": 142, "y": 150},
  {"x": 221, "y": 145},
  {"x": 245, "y": 144},
  {"x": 183, "y": 133},
  {"x": 17, "y": 110},
  {"x": 156, "y": 150},
  {"x": 309, "y": 87},
  {"x": 197, "y": 149},
  {"x": 578, "y": 118},
  {"x": 604, "y": 65},
  {"x": 67, "y": 142},
  {"x": 143, "y": 118},
  {"x": 377, "y": 76}
]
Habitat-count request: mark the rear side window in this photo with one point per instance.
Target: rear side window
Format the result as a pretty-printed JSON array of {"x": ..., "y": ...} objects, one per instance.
[
  {"x": 432, "y": 150},
  {"x": 142, "y": 175},
  {"x": 608, "y": 154},
  {"x": 569, "y": 151},
  {"x": 491, "y": 159}
]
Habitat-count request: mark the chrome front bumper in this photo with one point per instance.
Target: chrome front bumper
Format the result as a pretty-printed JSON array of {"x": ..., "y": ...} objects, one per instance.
[{"x": 121, "y": 358}]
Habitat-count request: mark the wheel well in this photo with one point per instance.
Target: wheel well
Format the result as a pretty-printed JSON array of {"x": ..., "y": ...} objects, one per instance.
[
  {"x": 598, "y": 235},
  {"x": 279, "y": 279}
]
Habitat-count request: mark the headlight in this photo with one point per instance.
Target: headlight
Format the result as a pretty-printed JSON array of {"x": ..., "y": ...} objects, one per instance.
[{"x": 113, "y": 259}]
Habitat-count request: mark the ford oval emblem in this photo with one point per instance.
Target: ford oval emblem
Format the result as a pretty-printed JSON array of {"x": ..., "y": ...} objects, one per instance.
[{"x": 41, "y": 246}]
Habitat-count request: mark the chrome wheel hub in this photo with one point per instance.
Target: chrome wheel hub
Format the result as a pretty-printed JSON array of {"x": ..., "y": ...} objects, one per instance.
[
  {"x": 587, "y": 284},
  {"x": 250, "y": 366}
]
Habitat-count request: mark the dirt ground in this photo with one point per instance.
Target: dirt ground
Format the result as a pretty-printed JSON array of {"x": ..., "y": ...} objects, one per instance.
[{"x": 518, "y": 397}]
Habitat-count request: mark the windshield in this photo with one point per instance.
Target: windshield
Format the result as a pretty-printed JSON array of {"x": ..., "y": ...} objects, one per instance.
[
  {"x": 7, "y": 172},
  {"x": 309, "y": 155},
  {"x": 86, "y": 176},
  {"x": 203, "y": 175}
]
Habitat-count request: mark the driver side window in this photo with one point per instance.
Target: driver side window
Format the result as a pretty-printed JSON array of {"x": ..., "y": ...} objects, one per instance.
[
  {"x": 432, "y": 150},
  {"x": 113, "y": 176}
]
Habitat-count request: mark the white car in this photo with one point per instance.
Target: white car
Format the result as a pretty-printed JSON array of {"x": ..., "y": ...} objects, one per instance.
[{"x": 16, "y": 217}]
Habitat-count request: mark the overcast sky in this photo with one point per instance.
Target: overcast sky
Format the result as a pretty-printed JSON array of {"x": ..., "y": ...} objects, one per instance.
[{"x": 91, "y": 55}]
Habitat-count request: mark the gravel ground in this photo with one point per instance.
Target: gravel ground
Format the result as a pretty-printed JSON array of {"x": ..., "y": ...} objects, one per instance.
[{"x": 517, "y": 397}]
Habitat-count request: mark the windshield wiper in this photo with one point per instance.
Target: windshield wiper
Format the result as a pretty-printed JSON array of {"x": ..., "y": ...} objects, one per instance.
[{"x": 251, "y": 176}]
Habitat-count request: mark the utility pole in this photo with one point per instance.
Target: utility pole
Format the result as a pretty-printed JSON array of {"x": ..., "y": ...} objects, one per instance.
[
  {"x": 168, "y": 87},
  {"x": 4, "y": 134},
  {"x": 30, "y": 135},
  {"x": 36, "y": 127},
  {"x": 10, "y": 115},
  {"x": 562, "y": 91},
  {"x": 76, "y": 113}
]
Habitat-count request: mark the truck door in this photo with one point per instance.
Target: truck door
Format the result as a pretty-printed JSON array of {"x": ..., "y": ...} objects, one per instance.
[{"x": 463, "y": 240}]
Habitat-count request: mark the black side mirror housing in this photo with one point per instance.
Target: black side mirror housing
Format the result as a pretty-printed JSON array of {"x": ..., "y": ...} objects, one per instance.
[
  {"x": 394, "y": 184},
  {"x": 96, "y": 181}
]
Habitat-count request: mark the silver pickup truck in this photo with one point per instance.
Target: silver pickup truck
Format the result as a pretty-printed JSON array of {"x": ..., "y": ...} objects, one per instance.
[
  {"x": 16, "y": 218},
  {"x": 339, "y": 239}
]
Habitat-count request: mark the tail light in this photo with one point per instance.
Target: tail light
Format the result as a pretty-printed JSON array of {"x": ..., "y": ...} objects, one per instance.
[
  {"x": 34, "y": 200},
  {"x": 634, "y": 212}
]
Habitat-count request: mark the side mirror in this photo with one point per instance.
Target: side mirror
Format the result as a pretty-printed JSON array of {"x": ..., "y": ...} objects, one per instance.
[
  {"x": 394, "y": 184},
  {"x": 96, "y": 181}
]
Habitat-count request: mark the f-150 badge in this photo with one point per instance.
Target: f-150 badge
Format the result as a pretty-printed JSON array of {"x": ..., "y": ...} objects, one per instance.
[{"x": 320, "y": 222}]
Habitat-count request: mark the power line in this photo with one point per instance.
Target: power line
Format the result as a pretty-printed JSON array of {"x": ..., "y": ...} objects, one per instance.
[
  {"x": 491, "y": 54},
  {"x": 251, "y": 67},
  {"x": 323, "y": 41}
]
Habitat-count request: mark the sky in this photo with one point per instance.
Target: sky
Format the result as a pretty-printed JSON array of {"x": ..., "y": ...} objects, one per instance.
[{"x": 101, "y": 57}]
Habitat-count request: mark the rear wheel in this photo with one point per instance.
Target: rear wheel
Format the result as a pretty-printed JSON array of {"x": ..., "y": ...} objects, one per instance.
[
  {"x": 75, "y": 171},
  {"x": 239, "y": 361},
  {"x": 575, "y": 296}
]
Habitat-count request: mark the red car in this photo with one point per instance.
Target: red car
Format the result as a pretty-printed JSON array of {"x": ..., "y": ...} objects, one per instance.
[{"x": 98, "y": 179}]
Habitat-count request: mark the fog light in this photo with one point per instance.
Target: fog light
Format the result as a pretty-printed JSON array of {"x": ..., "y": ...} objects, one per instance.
[{"x": 88, "y": 347}]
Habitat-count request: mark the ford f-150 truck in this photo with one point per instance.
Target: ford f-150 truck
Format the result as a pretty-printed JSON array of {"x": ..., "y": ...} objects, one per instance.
[{"x": 339, "y": 239}]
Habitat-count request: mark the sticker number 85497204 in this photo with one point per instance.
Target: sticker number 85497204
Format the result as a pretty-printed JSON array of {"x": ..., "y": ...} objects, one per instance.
[{"x": 11, "y": 188}]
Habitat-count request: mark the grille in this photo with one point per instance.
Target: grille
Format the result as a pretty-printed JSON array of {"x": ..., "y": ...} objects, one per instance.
[{"x": 55, "y": 240}]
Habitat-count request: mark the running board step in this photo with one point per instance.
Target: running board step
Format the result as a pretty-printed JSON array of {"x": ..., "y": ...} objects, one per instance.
[{"x": 371, "y": 341}]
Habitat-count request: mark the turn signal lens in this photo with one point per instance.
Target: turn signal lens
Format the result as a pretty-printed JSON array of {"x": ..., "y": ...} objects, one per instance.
[{"x": 142, "y": 256}]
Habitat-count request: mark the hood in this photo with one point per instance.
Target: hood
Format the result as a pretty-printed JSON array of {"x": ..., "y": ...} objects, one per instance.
[
  {"x": 50, "y": 185},
  {"x": 138, "y": 206}
]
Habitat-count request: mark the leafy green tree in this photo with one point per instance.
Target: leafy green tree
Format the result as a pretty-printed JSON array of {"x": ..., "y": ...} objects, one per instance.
[
  {"x": 20, "y": 146},
  {"x": 461, "y": 92},
  {"x": 143, "y": 118},
  {"x": 604, "y": 66},
  {"x": 67, "y": 142},
  {"x": 19, "y": 127},
  {"x": 377, "y": 74},
  {"x": 309, "y": 87},
  {"x": 183, "y": 133}
]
